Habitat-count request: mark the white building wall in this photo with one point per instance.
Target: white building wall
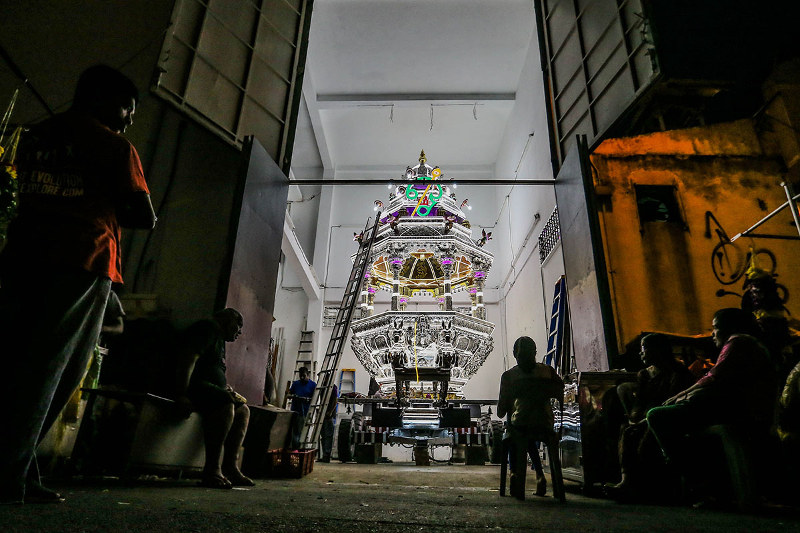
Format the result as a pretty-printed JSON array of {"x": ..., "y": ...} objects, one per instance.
[
  {"x": 291, "y": 305},
  {"x": 526, "y": 288}
]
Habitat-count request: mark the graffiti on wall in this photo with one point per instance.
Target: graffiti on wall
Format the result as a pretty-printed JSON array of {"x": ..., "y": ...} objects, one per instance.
[{"x": 730, "y": 260}]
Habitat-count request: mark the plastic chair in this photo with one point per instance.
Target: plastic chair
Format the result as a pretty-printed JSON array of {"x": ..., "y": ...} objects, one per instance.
[
  {"x": 739, "y": 452},
  {"x": 520, "y": 440}
]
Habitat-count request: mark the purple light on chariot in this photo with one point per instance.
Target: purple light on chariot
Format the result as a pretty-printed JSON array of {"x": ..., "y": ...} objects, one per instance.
[
  {"x": 440, "y": 299},
  {"x": 473, "y": 291},
  {"x": 397, "y": 261},
  {"x": 480, "y": 274},
  {"x": 403, "y": 300},
  {"x": 447, "y": 261},
  {"x": 366, "y": 275},
  {"x": 372, "y": 290}
]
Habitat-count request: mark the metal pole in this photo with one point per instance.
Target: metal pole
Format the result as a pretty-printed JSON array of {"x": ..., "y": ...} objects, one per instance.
[
  {"x": 792, "y": 205},
  {"x": 401, "y": 181},
  {"x": 757, "y": 224}
]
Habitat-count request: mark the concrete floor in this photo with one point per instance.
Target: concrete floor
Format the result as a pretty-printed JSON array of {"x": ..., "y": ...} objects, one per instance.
[{"x": 382, "y": 498}]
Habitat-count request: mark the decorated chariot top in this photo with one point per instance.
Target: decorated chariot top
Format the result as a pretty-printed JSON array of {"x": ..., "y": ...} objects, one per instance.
[
  {"x": 425, "y": 228},
  {"x": 424, "y": 248}
]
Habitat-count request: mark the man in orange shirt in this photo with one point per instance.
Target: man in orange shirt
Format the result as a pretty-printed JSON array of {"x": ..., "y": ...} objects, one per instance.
[{"x": 79, "y": 181}]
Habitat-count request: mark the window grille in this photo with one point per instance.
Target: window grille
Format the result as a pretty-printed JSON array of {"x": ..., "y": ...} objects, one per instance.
[{"x": 549, "y": 237}]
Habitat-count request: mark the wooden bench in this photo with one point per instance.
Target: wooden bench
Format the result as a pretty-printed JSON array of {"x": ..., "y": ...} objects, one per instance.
[{"x": 145, "y": 433}]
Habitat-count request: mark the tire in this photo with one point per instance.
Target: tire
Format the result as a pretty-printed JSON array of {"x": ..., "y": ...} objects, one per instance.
[
  {"x": 496, "y": 442},
  {"x": 485, "y": 422},
  {"x": 346, "y": 443},
  {"x": 357, "y": 422}
]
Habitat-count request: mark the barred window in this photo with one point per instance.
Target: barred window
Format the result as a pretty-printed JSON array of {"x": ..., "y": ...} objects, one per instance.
[{"x": 549, "y": 237}]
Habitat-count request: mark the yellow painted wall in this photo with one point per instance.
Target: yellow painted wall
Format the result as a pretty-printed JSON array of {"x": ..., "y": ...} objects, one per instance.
[{"x": 665, "y": 276}]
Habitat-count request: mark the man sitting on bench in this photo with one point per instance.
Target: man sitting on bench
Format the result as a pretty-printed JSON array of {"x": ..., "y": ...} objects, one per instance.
[{"x": 203, "y": 387}]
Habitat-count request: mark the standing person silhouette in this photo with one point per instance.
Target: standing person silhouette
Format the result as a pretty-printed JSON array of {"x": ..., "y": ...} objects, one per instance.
[
  {"x": 301, "y": 391},
  {"x": 525, "y": 392},
  {"x": 79, "y": 181}
]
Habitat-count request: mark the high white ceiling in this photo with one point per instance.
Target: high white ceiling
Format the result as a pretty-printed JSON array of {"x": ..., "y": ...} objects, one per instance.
[{"x": 387, "y": 78}]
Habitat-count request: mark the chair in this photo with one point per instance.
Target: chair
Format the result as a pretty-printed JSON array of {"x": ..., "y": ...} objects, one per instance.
[
  {"x": 740, "y": 451},
  {"x": 520, "y": 440}
]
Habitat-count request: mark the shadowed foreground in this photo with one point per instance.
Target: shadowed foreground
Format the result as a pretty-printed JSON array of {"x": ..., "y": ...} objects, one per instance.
[{"x": 387, "y": 498}]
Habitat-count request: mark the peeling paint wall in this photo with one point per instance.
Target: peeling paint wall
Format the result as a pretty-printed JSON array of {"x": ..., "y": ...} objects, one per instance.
[{"x": 665, "y": 275}]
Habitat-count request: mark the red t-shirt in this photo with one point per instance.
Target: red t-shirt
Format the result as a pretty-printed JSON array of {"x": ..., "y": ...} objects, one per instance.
[{"x": 71, "y": 172}]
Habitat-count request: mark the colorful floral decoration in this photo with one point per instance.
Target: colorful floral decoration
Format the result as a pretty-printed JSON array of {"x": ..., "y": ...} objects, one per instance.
[
  {"x": 8, "y": 195},
  {"x": 8, "y": 172}
]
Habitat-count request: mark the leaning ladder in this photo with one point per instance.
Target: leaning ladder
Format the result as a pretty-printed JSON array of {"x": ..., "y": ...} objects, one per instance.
[
  {"x": 305, "y": 358},
  {"x": 555, "y": 336},
  {"x": 305, "y": 354},
  {"x": 322, "y": 394}
]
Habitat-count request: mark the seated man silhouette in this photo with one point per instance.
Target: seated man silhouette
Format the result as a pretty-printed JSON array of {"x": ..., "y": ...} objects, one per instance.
[
  {"x": 203, "y": 387},
  {"x": 525, "y": 392}
]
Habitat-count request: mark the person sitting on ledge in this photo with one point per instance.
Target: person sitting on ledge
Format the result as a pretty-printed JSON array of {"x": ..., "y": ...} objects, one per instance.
[
  {"x": 203, "y": 387},
  {"x": 639, "y": 453}
]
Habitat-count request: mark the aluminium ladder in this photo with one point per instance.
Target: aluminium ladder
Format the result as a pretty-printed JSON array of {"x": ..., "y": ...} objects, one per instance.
[
  {"x": 305, "y": 354},
  {"x": 322, "y": 393},
  {"x": 555, "y": 335},
  {"x": 305, "y": 358}
]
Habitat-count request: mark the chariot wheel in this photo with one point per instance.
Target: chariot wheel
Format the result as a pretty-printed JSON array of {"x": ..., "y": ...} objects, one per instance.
[{"x": 496, "y": 442}]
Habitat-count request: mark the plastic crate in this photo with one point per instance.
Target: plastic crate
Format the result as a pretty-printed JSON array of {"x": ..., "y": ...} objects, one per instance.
[{"x": 282, "y": 463}]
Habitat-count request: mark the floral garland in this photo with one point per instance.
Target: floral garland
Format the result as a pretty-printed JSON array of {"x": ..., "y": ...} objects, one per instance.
[
  {"x": 8, "y": 195},
  {"x": 8, "y": 172}
]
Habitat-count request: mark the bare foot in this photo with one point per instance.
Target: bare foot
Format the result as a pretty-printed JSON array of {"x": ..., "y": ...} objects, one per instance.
[
  {"x": 238, "y": 479},
  {"x": 215, "y": 482},
  {"x": 37, "y": 493}
]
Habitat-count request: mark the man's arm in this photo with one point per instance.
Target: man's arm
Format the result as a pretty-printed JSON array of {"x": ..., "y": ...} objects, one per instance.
[
  {"x": 135, "y": 211},
  {"x": 502, "y": 409},
  {"x": 684, "y": 394},
  {"x": 733, "y": 353}
]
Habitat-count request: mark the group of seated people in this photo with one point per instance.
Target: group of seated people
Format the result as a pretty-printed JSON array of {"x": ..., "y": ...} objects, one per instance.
[{"x": 667, "y": 408}]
